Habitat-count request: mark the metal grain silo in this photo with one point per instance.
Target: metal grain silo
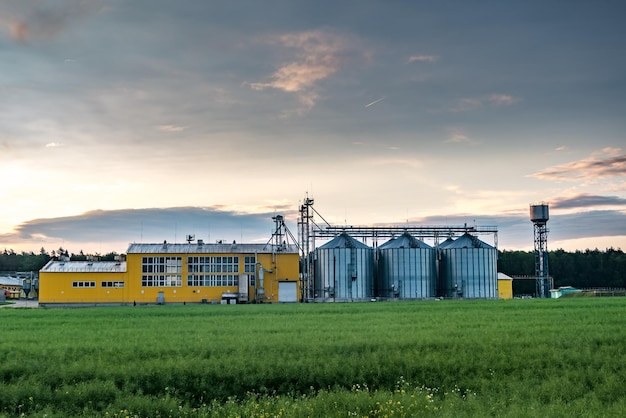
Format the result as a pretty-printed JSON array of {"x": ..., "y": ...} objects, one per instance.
[
  {"x": 406, "y": 268},
  {"x": 344, "y": 270},
  {"x": 468, "y": 269}
]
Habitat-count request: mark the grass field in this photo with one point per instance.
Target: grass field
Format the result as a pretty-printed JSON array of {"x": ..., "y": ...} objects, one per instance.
[{"x": 552, "y": 358}]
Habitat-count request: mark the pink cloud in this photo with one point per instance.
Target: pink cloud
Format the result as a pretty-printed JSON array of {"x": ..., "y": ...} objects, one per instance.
[
  {"x": 586, "y": 169},
  {"x": 316, "y": 57},
  {"x": 31, "y": 21}
]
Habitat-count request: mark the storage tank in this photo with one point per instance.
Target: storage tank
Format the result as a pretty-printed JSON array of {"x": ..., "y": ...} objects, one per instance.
[
  {"x": 344, "y": 270},
  {"x": 468, "y": 269},
  {"x": 406, "y": 269},
  {"x": 539, "y": 213}
]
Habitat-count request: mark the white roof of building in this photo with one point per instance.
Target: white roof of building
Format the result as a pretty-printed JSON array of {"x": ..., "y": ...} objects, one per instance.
[
  {"x": 54, "y": 266},
  {"x": 502, "y": 276},
  {"x": 10, "y": 281},
  {"x": 195, "y": 248}
]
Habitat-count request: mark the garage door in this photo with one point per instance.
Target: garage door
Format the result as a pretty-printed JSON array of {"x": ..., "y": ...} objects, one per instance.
[{"x": 287, "y": 292}]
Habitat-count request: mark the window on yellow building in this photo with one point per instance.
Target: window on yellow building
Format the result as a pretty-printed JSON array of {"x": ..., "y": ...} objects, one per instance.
[
  {"x": 162, "y": 271},
  {"x": 84, "y": 284},
  {"x": 214, "y": 280},
  {"x": 249, "y": 268},
  {"x": 112, "y": 284},
  {"x": 202, "y": 271}
]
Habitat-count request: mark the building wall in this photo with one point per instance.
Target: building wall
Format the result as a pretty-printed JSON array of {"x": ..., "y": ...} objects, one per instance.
[
  {"x": 12, "y": 292},
  {"x": 505, "y": 289},
  {"x": 57, "y": 287},
  {"x": 286, "y": 267}
]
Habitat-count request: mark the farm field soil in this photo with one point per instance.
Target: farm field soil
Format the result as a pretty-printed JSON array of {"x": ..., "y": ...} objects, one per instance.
[{"x": 564, "y": 357}]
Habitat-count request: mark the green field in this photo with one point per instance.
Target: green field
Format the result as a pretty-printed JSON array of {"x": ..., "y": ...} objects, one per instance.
[{"x": 564, "y": 357}]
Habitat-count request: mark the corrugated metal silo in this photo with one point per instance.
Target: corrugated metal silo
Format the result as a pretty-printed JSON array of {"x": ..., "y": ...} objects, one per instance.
[
  {"x": 469, "y": 269},
  {"x": 406, "y": 268},
  {"x": 344, "y": 270}
]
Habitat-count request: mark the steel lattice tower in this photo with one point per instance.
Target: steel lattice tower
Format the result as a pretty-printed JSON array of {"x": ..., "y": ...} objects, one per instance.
[{"x": 539, "y": 216}]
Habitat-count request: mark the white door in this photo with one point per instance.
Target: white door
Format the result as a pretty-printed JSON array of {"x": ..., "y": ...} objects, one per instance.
[{"x": 287, "y": 292}]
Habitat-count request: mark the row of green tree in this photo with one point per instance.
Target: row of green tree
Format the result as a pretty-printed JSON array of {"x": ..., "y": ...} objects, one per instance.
[
  {"x": 10, "y": 261},
  {"x": 581, "y": 269}
]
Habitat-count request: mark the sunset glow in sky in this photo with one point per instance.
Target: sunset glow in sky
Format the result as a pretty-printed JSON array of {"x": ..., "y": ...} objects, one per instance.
[{"x": 139, "y": 121}]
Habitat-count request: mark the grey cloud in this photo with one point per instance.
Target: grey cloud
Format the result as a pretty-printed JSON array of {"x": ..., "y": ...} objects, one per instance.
[
  {"x": 30, "y": 20},
  {"x": 423, "y": 58},
  {"x": 494, "y": 100},
  {"x": 147, "y": 225},
  {"x": 516, "y": 231},
  {"x": 588, "y": 224},
  {"x": 586, "y": 200},
  {"x": 115, "y": 229},
  {"x": 158, "y": 63},
  {"x": 147, "y": 63}
]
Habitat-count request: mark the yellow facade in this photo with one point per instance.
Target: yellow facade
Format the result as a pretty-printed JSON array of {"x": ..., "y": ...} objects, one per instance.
[
  {"x": 10, "y": 287},
  {"x": 10, "y": 291},
  {"x": 82, "y": 286},
  {"x": 176, "y": 273},
  {"x": 505, "y": 288}
]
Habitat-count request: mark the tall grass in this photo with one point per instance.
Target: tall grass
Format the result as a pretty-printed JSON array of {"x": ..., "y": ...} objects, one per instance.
[{"x": 444, "y": 358}]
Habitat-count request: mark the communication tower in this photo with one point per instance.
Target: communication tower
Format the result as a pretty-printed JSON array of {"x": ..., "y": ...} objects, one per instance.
[{"x": 539, "y": 216}]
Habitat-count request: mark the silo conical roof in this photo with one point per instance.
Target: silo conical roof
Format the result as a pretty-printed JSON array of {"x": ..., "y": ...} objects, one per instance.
[
  {"x": 344, "y": 240},
  {"x": 405, "y": 240},
  {"x": 468, "y": 241},
  {"x": 446, "y": 243}
]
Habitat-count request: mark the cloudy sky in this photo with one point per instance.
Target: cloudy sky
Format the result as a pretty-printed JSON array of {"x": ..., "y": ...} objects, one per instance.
[{"x": 138, "y": 121}]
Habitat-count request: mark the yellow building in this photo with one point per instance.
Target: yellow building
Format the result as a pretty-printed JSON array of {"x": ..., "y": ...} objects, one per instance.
[
  {"x": 177, "y": 273},
  {"x": 10, "y": 287},
  {"x": 505, "y": 286}
]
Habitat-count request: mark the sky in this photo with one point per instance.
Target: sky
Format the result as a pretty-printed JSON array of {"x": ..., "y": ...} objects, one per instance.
[{"x": 148, "y": 120}]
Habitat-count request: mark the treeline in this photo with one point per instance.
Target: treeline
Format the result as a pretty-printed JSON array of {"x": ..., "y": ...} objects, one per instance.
[
  {"x": 581, "y": 269},
  {"x": 10, "y": 261}
]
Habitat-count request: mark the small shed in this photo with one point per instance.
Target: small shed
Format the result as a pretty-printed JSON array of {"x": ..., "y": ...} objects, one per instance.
[
  {"x": 505, "y": 286},
  {"x": 562, "y": 291}
]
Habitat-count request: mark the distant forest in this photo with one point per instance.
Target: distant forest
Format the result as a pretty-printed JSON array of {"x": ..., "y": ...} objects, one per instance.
[
  {"x": 581, "y": 269},
  {"x": 10, "y": 261}
]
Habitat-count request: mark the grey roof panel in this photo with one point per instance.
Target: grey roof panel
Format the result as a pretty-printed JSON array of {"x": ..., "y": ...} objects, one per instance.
[
  {"x": 84, "y": 267},
  {"x": 194, "y": 248},
  {"x": 10, "y": 281}
]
